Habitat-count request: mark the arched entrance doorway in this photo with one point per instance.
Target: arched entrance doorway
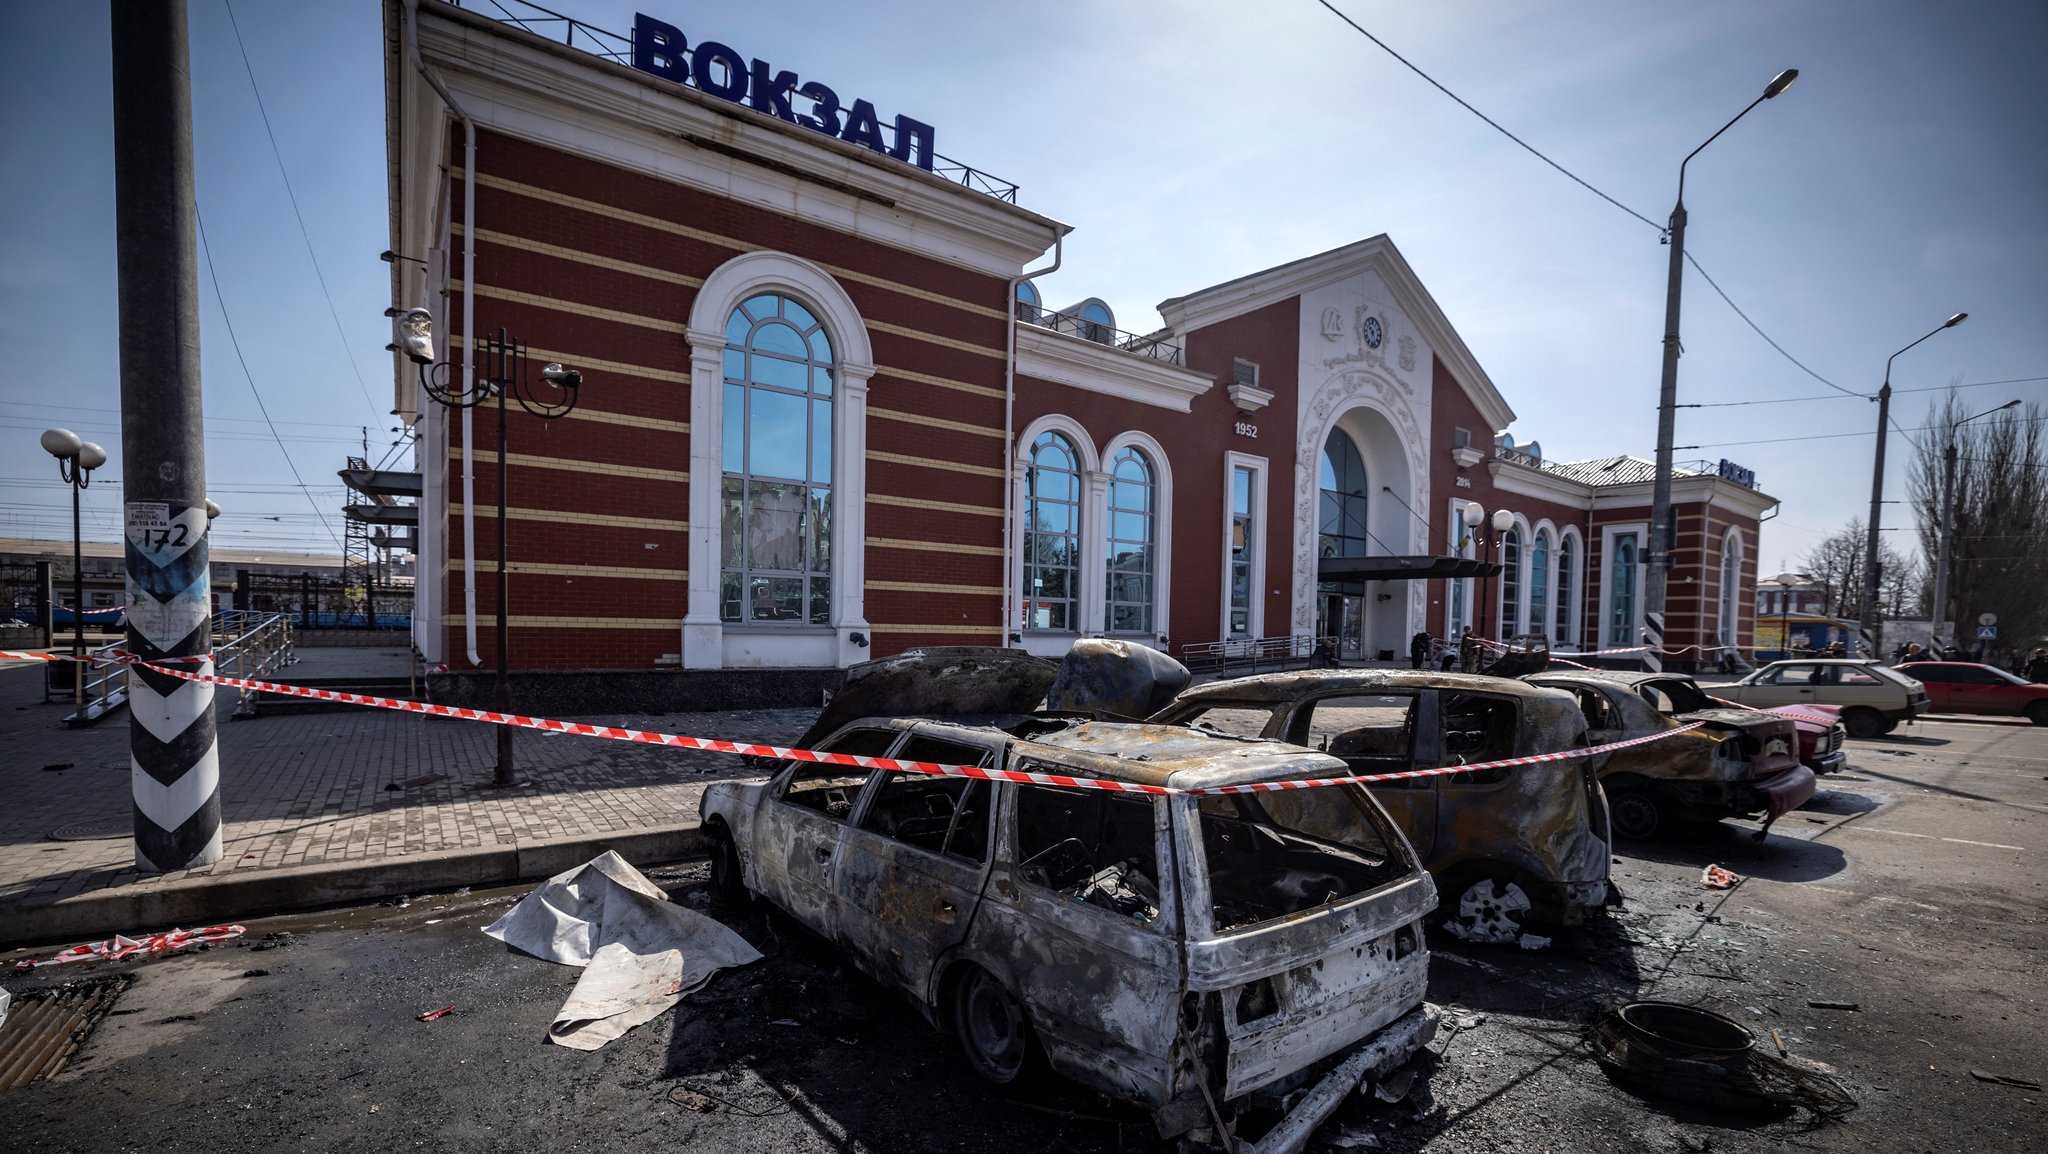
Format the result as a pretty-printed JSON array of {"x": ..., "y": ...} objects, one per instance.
[{"x": 1362, "y": 501}]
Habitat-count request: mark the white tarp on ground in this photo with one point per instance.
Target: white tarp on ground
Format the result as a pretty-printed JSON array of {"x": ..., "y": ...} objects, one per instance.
[{"x": 639, "y": 953}]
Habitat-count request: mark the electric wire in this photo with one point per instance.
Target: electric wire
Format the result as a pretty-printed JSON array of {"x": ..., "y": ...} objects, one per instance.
[
  {"x": 1494, "y": 124},
  {"x": 1896, "y": 427},
  {"x": 296, "y": 214},
  {"x": 213, "y": 276},
  {"x": 1694, "y": 262},
  {"x": 1859, "y": 396}
]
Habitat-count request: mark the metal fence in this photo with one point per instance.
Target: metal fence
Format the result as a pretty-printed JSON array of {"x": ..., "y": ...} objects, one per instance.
[{"x": 1257, "y": 654}]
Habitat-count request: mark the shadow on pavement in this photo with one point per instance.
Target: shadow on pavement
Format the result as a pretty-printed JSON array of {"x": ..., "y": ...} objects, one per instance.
[{"x": 1777, "y": 858}]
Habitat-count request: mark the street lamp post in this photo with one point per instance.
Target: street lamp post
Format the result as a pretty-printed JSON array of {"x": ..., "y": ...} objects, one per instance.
[
  {"x": 501, "y": 361},
  {"x": 1944, "y": 525},
  {"x": 1866, "y": 622},
  {"x": 1667, "y": 393},
  {"x": 76, "y": 459}
]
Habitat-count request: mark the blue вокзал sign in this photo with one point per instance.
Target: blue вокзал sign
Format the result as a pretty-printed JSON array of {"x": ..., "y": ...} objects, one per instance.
[{"x": 660, "y": 49}]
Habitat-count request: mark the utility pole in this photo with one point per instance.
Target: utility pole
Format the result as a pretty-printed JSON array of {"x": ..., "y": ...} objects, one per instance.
[{"x": 175, "y": 766}]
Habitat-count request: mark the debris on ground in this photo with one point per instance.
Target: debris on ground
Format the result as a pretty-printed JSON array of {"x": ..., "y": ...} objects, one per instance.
[
  {"x": 1695, "y": 1055},
  {"x": 1716, "y": 878},
  {"x": 436, "y": 1015},
  {"x": 120, "y": 947},
  {"x": 273, "y": 941},
  {"x": 640, "y": 954},
  {"x": 2005, "y": 1080},
  {"x": 1819, "y": 1005},
  {"x": 1533, "y": 942},
  {"x": 1353, "y": 1138},
  {"x": 1395, "y": 1087}
]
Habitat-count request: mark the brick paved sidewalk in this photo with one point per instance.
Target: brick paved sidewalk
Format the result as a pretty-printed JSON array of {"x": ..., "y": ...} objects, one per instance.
[{"x": 313, "y": 789}]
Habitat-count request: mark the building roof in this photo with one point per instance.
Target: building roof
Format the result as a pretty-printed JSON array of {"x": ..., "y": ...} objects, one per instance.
[{"x": 1623, "y": 470}]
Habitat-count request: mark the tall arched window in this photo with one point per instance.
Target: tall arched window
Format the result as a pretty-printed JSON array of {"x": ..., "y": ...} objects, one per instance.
[
  {"x": 1052, "y": 528},
  {"x": 1340, "y": 519},
  {"x": 1133, "y": 534},
  {"x": 1731, "y": 584},
  {"x": 1510, "y": 583},
  {"x": 1567, "y": 558},
  {"x": 777, "y": 449},
  {"x": 1621, "y": 602},
  {"x": 1539, "y": 583}
]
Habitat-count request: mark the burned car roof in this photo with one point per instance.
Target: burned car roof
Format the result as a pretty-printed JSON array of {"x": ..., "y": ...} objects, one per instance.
[
  {"x": 1145, "y": 754},
  {"x": 1278, "y": 687}
]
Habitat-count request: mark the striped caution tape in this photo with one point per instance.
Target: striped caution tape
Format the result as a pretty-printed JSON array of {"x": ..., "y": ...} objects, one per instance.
[
  {"x": 121, "y": 947},
  {"x": 936, "y": 769}
]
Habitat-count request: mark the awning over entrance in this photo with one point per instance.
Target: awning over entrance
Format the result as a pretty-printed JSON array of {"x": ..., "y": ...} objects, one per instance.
[{"x": 1386, "y": 567}]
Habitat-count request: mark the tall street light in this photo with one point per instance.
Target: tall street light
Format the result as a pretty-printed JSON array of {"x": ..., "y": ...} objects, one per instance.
[
  {"x": 1667, "y": 395},
  {"x": 501, "y": 364},
  {"x": 1866, "y": 621},
  {"x": 1945, "y": 525},
  {"x": 76, "y": 459},
  {"x": 1502, "y": 521}
]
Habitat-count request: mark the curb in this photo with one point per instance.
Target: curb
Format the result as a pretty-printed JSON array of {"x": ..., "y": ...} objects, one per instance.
[{"x": 207, "y": 900}]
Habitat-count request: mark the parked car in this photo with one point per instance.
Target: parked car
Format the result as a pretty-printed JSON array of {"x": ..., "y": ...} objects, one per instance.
[
  {"x": 1164, "y": 950},
  {"x": 1739, "y": 763},
  {"x": 1507, "y": 846},
  {"x": 1821, "y": 735},
  {"x": 1874, "y": 699},
  {"x": 1966, "y": 687}
]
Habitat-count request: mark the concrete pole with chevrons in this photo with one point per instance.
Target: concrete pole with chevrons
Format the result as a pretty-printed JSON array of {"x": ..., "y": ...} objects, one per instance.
[{"x": 174, "y": 762}]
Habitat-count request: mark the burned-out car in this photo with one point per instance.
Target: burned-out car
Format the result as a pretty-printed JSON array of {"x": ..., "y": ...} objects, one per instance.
[
  {"x": 1738, "y": 763},
  {"x": 1201, "y": 956},
  {"x": 1508, "y": 845}
]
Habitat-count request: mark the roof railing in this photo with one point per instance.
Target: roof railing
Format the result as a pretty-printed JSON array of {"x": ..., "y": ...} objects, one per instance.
[
  {"x": 619, "y": 50},
  {"x": 1153, "y": 345}
]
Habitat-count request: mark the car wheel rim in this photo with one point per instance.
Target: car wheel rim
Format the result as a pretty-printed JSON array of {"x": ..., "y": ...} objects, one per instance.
[
  {"x": 1490, "y": 910},
  {"x": 1633, "y": 816},
  {"x": 992, "y": 1025}
]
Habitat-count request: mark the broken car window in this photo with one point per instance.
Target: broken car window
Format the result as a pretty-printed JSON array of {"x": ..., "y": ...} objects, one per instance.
[
  {"x": 1097, "y": 848},
  {"x": 831, "y": 789},
  {"x": 941, "y": 815},
  {"x": 1478, "y": 728},
  {"x": 1270, "y": 855},
  {"x": 1373, "y": 734}
]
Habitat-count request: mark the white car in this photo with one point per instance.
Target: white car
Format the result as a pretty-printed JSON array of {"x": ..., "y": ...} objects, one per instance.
[{"x": 1874, "y": 699}]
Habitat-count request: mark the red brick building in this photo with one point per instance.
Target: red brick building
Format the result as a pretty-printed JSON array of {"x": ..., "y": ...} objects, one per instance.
[{"x": 826, "y": 417}]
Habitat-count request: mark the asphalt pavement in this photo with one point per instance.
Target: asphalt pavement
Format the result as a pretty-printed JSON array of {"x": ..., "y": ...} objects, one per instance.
[{"x": 1912, "y": 888}]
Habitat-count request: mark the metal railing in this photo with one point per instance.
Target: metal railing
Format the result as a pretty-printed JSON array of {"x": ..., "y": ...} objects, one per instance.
[
  {"x": 259, "y": 645},
  {"x": 246, "y": 643},
  {"x": 1252, "y": 654},
  {"x": 619, "y": 50},
  {"x": 1153, "y": 345}
]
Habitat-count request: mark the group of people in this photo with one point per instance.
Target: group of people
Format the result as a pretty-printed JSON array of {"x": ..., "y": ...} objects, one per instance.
[{"x": 2035, "y": 669}]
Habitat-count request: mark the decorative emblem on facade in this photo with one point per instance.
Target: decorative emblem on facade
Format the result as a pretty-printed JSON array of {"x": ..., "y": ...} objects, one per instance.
[
  {"x": 1407, "y": 353},
  {"x": 1373, "y": 334},
  {"x": 1333, "y": 325}
]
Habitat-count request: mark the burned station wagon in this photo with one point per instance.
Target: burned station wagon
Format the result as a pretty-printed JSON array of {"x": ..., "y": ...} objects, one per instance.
[
  {"x": 1508, "y": 845},
  {"x": 1201, "y": 956}
]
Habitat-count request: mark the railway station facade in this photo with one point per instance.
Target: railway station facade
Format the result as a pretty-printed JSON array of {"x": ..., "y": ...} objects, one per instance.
[{"x": 826, "y": 415}]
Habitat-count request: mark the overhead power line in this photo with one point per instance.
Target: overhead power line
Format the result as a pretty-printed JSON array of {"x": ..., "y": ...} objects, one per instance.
[
  {"x": 297, "y": 215},
  {"x": 1858, "y": 396},
  {"x": 1690, "y": 259},
  {"x": 1491, "y": 122},
  {"x": 213, "y": 276}
]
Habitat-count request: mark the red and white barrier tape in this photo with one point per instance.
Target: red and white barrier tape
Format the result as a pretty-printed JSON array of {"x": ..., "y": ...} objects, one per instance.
[
  {"x": 120, "y": 946},
  {"x": 680, "y": 741}
]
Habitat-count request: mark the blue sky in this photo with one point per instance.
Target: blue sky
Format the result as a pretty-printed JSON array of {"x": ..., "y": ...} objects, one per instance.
[{"x": 1899, "y": 181}]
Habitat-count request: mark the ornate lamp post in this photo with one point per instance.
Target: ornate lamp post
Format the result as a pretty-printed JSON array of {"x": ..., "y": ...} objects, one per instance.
[
  {"x": 1502, "y": 521},
  {"x": 501, "y": 371},
  {"x": 76, "y": 459}
]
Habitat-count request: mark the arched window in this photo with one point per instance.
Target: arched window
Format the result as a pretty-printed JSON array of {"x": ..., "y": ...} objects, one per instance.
[
  {"x": 1567, "y": 588},
  {"x": 1028, "y": 302},
  {"x": 1133, "y": 533},
  {"x": 1052, "y": 527},
  {"x": 1621, "y": 602},
  {"x": 1510, "y": 583},
  {"x": 1539, "y": 583},
  {"x": 1340, "y": 520},
  {"x": 1096, "y": 323},
  {"x": 1731, "y": 583},
  {"x": 777, "y": 450}
]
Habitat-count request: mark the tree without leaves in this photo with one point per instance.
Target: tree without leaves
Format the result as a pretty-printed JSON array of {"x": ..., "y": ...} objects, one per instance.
[
  {"x": 1837, "y": 563},
  {"x": 1998, "y": 551}
]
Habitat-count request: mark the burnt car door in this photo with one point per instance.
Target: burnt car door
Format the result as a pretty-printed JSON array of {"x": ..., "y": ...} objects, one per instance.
[
  {"x": 1077, "y": 922},
  {"x": 1380, "y": 733},
  {"x": 797, "y": 839},
  {"x": 910, "y": 871}
]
